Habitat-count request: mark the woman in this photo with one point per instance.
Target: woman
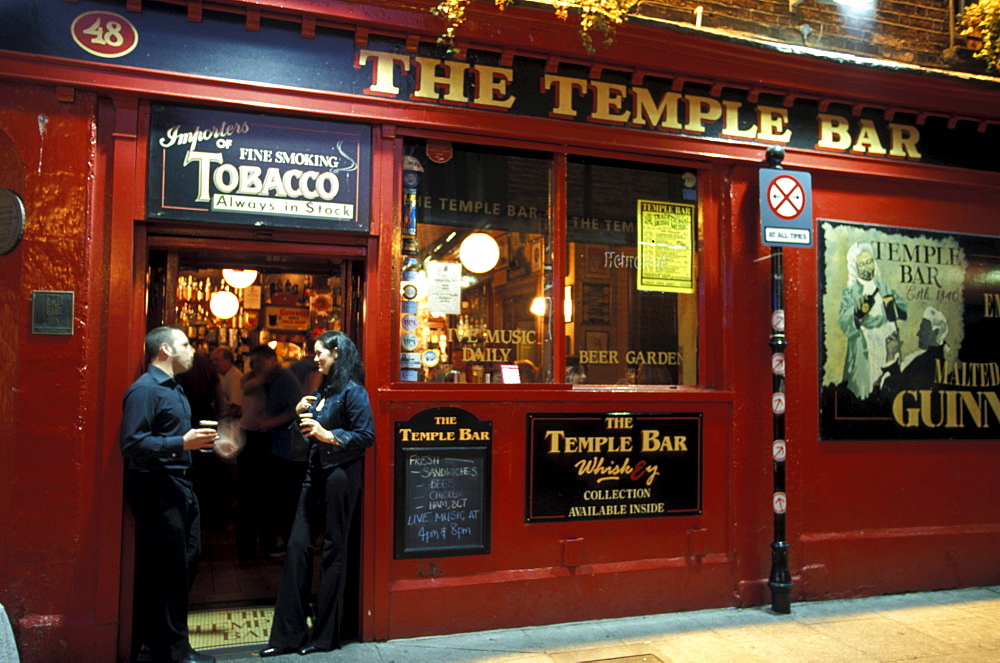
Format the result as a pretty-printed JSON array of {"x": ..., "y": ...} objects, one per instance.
[{"x": 337, "y": 422}]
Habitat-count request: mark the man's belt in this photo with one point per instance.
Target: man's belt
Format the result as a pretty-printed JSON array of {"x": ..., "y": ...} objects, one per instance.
[{"x": 172, "y": 471}]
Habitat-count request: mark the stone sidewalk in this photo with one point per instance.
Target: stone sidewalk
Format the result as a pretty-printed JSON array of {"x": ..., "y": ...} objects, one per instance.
[{"x": 951, "y": 625}]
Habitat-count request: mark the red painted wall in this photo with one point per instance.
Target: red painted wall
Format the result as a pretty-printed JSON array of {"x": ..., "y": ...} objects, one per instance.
[
  {"x": 544, "y": 573},
  {"x": 864, "y": 517},
  {"x": 55, "y": 498},
  {"x": 886, "y": 516}
]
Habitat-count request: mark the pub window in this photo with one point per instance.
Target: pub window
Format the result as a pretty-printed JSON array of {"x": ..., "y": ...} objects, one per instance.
[
  {"x": 631, "y": 232},
  {"x": 477, "y": 267},
  {"x": 626, "y": 287}
]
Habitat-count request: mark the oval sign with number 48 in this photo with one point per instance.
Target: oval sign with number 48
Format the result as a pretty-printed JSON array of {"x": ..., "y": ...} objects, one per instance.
[{"x": 105, "y": 34}]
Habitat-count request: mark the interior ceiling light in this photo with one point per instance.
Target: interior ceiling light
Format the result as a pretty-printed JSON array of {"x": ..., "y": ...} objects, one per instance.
[
  {"x": 539, "y": 305},
  {"x": 479, "y": 252},
  {"x": 224, "y": 304},
  {"x": 239, "y": 278}
]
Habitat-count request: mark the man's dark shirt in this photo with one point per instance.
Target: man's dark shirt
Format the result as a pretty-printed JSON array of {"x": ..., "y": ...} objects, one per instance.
[{"x": 155, "y": 416}]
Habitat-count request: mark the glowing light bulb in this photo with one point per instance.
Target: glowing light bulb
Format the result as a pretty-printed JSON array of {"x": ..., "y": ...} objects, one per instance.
[
  {"x": 538, "y": 306},
  {"x": 224, "y": 304},
  {"x": 479, "y": 252},
  {"x": 239, "y": 278}
]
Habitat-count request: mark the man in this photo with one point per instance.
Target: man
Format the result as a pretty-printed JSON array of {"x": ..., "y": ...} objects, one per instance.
[
  {"x": 867, "y": 305},
  {"x": 156, "y": 440},
  {"x": 231, "y": 395},
  {"x": 887, "y": 385},
  {"x": 266, "y": 493},
  {"x": 305, "y": 372},
  {"x": 213, "y": 481},
  {"x": 201, "y": 387}
]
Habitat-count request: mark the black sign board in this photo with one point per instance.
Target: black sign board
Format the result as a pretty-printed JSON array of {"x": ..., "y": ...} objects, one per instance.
[
  {"x": 52, "y": 312},
  {"x": 226, "y": 167},
  {"x": 443, "y": 467},
  {"x": 610, "y": 466}
]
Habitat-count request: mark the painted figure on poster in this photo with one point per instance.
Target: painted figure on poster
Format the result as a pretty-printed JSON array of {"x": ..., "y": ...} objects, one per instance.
[
  {"x": 867, "y": 307},
  {"x": 920, "y": 366},
  {"x": 888, "y": 383},
  {"x": 917, "y": 370}
]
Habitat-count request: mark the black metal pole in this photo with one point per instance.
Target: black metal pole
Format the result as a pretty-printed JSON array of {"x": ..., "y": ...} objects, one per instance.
[{"x": 780, "y": 578}]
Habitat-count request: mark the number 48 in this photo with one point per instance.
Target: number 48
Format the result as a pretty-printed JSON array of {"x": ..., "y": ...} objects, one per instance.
[{"x": 110, "y": 34}]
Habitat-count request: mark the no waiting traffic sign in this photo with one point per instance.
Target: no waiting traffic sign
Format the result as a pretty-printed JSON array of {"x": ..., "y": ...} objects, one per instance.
[
  {"x": 786, "y": 197},
  {"x": 786, "y": 217}
]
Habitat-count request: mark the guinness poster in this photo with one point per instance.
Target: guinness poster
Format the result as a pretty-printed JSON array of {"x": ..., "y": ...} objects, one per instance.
[{"x": 909, "y": 323}]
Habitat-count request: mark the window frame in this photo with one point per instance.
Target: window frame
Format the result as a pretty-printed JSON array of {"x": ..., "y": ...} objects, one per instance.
[{"x": 709, "y": 267}]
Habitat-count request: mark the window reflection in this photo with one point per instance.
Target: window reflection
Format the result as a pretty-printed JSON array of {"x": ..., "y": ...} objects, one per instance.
[
  {"x": 630, "y": 234},
  {"x": 473, "y": 318},
  {"x": 477, "y": 280}
]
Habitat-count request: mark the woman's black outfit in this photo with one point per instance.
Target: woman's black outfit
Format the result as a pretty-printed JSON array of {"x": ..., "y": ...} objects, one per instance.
[{"x": 326, "y": 504}]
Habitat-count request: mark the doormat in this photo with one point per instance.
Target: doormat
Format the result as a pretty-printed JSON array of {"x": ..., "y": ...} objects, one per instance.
[{"x": 230, "y": 627}]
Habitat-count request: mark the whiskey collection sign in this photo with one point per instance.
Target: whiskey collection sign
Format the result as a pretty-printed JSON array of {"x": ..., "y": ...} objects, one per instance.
[{"x": 584, "y": 466}]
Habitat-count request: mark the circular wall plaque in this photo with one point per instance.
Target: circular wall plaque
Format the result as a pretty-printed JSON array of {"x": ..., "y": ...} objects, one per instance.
[{"x": 11, "y": 220}]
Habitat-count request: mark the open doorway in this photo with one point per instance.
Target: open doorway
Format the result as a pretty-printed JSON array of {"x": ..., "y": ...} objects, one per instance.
[{"x": 291, "y": 294}]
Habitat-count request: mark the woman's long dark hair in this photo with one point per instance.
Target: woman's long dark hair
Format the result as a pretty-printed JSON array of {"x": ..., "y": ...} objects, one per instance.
[{"x": 346, "y": 367}]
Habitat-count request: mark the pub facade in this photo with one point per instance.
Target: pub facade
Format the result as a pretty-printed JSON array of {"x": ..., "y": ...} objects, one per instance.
[{"x": 687, "y": 322}]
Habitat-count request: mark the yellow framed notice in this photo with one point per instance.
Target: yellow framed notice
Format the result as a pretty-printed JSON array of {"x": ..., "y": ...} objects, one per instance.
[{"x": 665, "y": 251}]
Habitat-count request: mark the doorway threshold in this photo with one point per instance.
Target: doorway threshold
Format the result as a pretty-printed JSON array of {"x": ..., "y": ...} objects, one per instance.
[{"x": 227, "y": 628}]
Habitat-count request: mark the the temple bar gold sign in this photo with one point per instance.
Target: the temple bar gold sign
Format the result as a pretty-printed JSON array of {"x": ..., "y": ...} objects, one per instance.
[{"x": 665, "y": 251}]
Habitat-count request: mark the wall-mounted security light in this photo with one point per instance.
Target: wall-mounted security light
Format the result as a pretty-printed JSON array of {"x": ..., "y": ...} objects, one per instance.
[{"x": 846, "y": 4}]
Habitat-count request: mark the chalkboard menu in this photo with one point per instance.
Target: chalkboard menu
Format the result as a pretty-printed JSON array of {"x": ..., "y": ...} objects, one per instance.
[{"x": 443, "y": 484}]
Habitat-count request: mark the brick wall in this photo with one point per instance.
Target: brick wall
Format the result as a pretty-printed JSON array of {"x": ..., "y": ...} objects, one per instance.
[{"x": 911, "y": 31}]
